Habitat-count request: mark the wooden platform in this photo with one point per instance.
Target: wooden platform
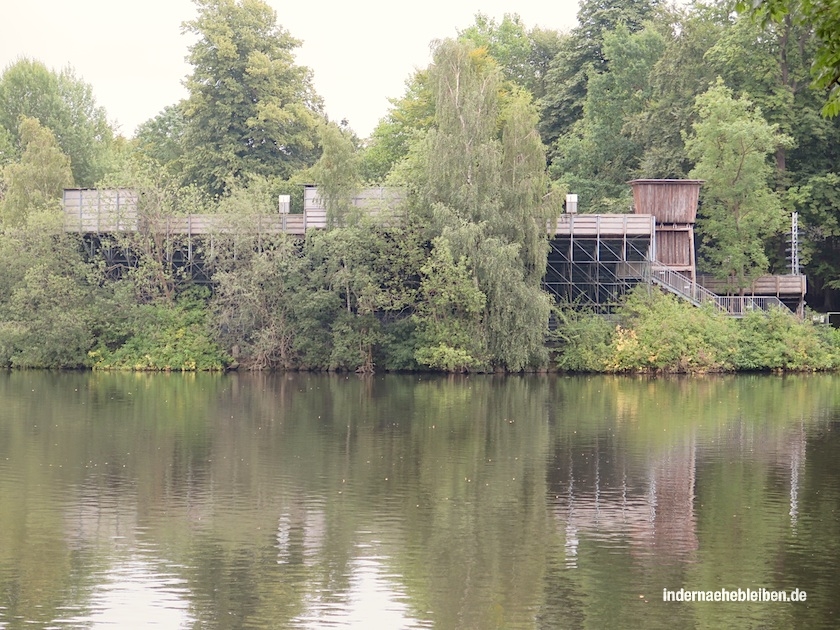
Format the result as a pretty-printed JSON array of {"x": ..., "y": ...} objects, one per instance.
[
  {"x": 102, "y": 211},
  {"x": 602, "y": 225},
  {"x": 778, "y": 286}
]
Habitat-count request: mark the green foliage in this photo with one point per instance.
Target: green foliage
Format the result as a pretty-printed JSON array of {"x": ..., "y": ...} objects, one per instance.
[
  {"x": 657, "y": 333},
  {"x": 407, "y": 122},
  {"x": 660, "y": 333},
  {"x": 480, "y": 174},
  {"x": 255, "y": 307},
  {"x": 820, "y": 217},
  {"x": 399, "y": 345},
  {"x": 354, "y": 339},
  {"x": 36, "y": 181},
  {"x": 824, "y": 18},
  {"x": 251, "y": 110},
  {"x": 65, "y": 105},
  {"x": 449, "y": 313},
  {"x": 777, "y": 341},
  {"x": 165, "y": 336},
  {"x": 680, "y": 74},
  {"x": 370, "y": 270},
  {"x": 601, "y": 153},
  {"x": 581, "y": 57},
  {"x": 730, "y": 145},
  {"x": 48, "y": 323},
  {"x": 336, "y": 173},
  {"x": 320, "y": 305},
  {"x": 523, "y": 55},
  {"x": 161, "y": 139},
  {"x": 51, "y": 305},
  {"x": 8, "y": 152},
  {"x": 462, "y": 152},
  {"x": 584, "y": 340}
]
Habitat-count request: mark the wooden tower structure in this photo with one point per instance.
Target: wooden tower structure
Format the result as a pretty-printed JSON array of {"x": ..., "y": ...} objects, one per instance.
[{"x": 673, "y": 203}]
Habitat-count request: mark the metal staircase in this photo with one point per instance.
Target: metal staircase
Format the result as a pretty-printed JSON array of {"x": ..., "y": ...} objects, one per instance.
[{"x": 682, "y": 286}]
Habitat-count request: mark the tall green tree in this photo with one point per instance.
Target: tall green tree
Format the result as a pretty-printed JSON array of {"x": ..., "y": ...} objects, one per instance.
[
  {"x": 407, "y": 121},
  {"x": 524, "y": 55},
  {"x": 53, "y": 306},
  {"x": 581, "y": 56},
  {"x": 35, "y": 182},
  {"x": 824, "y": 18},
  {"x": 601, "y": 152},
  {"x": 681, "y": 73},
  {"x": 449, "y": 314},
  {"x": 161, "y": 139},
  {"x": 772, "y": 65},
  {"x": 819, "y": 212},
  {"x": 63, "y": 103},
  {"x": 337, "y": 173},
  {"x": 251, "y": 110},
  {"x": 481, "y": 178},
  {"x": 731, "y": 145}
]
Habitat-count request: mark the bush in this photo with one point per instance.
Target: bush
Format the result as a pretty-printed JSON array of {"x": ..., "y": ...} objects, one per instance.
[
  {"x": 166, "y": 337},
  {"x": 661, "y": 333},
  {"x": 584, "y": 341},
  {"x": 656, "y": 332},
  {"x": 778, "y": 341}
]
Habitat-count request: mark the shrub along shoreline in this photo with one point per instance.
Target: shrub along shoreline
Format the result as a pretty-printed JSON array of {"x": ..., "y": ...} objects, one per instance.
[{"x": 656, "y": 333}]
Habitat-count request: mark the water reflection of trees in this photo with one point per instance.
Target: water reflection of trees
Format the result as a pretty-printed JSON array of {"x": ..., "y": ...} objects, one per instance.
[{"x": 469, "y": 502}]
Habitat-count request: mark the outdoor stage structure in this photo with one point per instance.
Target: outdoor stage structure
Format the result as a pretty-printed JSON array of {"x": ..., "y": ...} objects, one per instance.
[{"x": 593, "y": 261}]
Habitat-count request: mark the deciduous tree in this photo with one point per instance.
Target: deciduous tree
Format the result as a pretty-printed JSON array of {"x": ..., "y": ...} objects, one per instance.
[
  {"x": 336, "y": 172},
  {"x": 731, "y": 144},
  {"x": 34, "y": 182},
  {"x": 824, "y": 18},
  {"x": 63, "y": 103},
  {"x": 251, "y": 109},
  {"x": 482, "y": 176}
]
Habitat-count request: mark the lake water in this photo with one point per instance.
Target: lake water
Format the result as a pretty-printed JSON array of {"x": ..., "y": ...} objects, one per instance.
[{"x": 307, "y": 501}]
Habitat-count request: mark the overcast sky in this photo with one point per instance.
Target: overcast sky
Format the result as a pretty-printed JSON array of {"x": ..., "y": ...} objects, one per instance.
[{"x": 132, "y": 52}]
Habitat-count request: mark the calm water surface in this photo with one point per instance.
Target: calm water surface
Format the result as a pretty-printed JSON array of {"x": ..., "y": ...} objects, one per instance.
[{"x": 300, "y": 501}]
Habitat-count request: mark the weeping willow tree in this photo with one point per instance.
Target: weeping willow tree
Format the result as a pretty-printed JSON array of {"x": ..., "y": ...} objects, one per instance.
[{"x": 481, "y": 179}]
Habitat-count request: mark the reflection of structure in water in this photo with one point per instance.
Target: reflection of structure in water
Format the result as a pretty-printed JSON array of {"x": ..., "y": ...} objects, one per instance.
[
  {"x": 600, "y": 495},
  {"x": 608, "y": 500}
]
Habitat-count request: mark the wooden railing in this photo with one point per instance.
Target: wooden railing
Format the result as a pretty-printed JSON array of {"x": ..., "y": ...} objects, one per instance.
[
  {"x": 591, "y": 225},
  {"x": 788, "y": 285}
]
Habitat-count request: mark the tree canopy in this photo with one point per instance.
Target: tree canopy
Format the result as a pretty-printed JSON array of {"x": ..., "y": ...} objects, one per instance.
[
  {"x": 65, "y": 105},
  {"x": 34, "y": 182},
  {"x": 824, "y": 18},
  {"x": 730, "y": 144},
  {"x": 251, "y": 110}
]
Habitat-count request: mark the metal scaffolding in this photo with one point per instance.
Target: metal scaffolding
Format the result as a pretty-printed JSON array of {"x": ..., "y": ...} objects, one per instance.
[{"x": 596, "y": 271}]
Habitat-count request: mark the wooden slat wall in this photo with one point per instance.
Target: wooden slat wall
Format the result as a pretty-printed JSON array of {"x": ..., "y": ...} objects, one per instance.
[
  {"x": 763, "y": 285},
  {"x": 674, "y": 248},
  {"x": 94, "y": 210},
  {"x": 669, "y": 200}
]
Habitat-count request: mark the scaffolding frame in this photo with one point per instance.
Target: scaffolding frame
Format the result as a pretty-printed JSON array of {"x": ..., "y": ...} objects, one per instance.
[{"x": 595, "y": 270}]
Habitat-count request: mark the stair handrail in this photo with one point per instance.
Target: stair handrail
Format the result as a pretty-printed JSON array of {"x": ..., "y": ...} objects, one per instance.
[{"x": 685, "y": 287}]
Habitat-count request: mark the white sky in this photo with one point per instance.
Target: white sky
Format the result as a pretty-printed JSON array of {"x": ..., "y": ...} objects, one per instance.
[{"x": 361, "y": 52}]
